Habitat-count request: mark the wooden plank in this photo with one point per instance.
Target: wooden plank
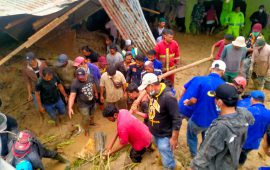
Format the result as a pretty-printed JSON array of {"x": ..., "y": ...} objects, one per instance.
[{"x": 42, "y": 32}]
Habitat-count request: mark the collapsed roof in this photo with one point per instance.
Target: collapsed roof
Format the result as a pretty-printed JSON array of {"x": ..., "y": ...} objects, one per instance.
[{"x": 32, "y": 7}]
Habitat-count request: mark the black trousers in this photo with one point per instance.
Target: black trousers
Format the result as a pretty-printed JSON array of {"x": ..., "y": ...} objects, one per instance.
[
  {"x": 181, "y": 24},
  {"x": 136, "y": 156},
  {"x": 243, "y": 156}
]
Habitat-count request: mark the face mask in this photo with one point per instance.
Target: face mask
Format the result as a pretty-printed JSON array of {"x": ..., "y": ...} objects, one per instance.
[
  {"x": 152, "y": 93},
  {"x": 218, "y": 109},
  {"x": 255, "y": 33},
  {"x": 261, "y": 10}
]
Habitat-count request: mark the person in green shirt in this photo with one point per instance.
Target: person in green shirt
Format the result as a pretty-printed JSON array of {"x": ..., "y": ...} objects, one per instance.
[
  {"x": 235, "y": 22},
  {"x": 227, "y": 7}
]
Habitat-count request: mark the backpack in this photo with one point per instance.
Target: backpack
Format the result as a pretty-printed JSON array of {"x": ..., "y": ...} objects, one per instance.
[
  {"x": 23, "y": 144},
  {"x": 24, "y": 165}
]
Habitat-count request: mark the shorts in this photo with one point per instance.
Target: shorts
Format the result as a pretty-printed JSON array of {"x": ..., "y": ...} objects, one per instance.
[
  {"x": 229, "y": 76},
  {"x": 87, "y": 112}
]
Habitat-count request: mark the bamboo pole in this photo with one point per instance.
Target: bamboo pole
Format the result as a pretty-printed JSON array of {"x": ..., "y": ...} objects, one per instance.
[
  {"x": 42, "y": 32},
  {"x": 151, "y": 11},
  {"x": 143, "y": 93}
]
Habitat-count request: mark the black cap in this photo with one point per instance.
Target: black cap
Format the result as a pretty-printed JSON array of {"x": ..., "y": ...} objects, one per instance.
[
  {"x": 30, "y": 56},
  {"x": 227, "y": 93}
]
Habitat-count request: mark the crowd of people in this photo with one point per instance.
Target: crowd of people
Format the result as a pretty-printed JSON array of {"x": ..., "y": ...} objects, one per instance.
[{"x": 231, "y": 121}]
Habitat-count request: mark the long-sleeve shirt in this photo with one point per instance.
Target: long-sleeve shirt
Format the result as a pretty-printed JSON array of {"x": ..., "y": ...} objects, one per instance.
[
  {"x": 235, "y": 19},
  {"x": 163, "y": 113},
  {"x": 261, "y": 60},
  {"x": 167, "y": 52},
  {"x": 134, "y": 74},
  {"x": 223, "y": 142}
]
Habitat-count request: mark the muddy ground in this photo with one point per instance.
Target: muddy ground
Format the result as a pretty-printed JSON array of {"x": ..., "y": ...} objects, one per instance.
[{"x": 14, "y": 96}]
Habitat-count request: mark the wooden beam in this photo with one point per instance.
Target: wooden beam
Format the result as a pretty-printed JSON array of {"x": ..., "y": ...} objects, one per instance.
[
  {"x": 136, "y": 103},
  {"x": 42, "y": 32}
]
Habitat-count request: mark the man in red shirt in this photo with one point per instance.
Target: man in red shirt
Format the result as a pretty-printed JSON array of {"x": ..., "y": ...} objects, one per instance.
[
  {"x": 167, "y": 52},
  {"x": 228, "y": 38},
  {"x": 129, "y": 130}
]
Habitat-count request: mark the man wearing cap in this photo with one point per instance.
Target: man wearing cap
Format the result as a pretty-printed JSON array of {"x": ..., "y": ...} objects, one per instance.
[
  {"x": 167, "y": 51},
  {"x": 220, "y": 45},
  {"x": 114, "y": 56},
  {"x": 235, "y": 21},
  {"x": 32, "y": 73},
  {"x": 225, "y": 137},
  {"x": 113, "y": 83},
  {"x": 260, "y": 64},
  {"x": 233, "y": 55},
  {"x": 90, "y": 68},
  {"x": 65, "y": 71},
  {"x": 198, "y": 102},
  {"x": 164, "y": 118},
  {"x": 84, "y": 88},
  {"x": 259, "y": 16},
  {"x": 48, "y": 96},
  {"x": 253, "y": 36},
  {"x": 157, "y": 32},
  {"x": 262, "y": 120}
]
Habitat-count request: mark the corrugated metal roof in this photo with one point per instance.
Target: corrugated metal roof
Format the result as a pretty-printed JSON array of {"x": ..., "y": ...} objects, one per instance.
[{"x": 33, "y": 7}]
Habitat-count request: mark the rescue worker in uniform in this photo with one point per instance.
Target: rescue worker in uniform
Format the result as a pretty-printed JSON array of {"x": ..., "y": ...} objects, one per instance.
[
  {"x": 235, "y": 22},
  {"x": 167, "y": 51}
]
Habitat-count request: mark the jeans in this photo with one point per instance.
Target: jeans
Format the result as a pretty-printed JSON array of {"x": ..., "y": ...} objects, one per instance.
[
  {"x": 192, "y": 131},
  {"x": 55, "y": 108},
  {"x": 163, "y": 145}
]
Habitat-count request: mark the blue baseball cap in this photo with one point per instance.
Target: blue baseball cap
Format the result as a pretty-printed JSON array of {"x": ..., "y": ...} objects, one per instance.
[
  {"x": 62, "y": 59},
  {"x": 258, "y": 95}
]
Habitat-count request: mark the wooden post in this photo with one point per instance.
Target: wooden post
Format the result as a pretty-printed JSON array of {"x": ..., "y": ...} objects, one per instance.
[{"x": 42, "y": 32}]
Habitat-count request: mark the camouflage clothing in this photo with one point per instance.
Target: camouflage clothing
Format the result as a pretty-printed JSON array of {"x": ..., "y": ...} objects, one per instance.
[{"x": 198, "y": 14}]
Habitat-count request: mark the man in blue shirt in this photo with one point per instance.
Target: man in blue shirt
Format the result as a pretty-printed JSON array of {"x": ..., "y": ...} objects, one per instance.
[
  {"x": 258, "y": 129},
  {"x": 151, "y": 57},
  {"x": 199, "y": 94}
]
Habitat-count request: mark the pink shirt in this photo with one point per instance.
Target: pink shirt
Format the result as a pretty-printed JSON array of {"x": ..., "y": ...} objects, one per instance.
[
  {"x": 221, "y": 45},
  {"x": 133, "y": 131}
]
